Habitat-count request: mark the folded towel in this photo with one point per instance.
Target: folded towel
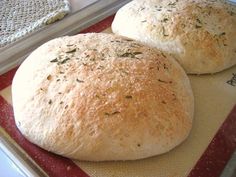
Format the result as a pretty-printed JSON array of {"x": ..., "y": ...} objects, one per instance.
[{"x": 19, "y": 18}]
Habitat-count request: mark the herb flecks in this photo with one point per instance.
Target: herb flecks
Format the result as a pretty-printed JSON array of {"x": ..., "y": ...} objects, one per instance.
[
  {"x": 164, "y": 31},
  {"x": 142, "y": 8},
  {"x": 172, "y": 4},
  {"x": 80, "y": 81},
  {"x": 199, "y": 21},
  {"x": 130, "y": 54},
  {"x": 116, "y": 41},
  {"x": 165, "y": 20},
  {"x": 166, "y": 82},
  {"x": 174, "y": 96},
  {"x": 49, "y": 77},
  {"x": 128, "y": 40},
  {"x": 137, "y": 53},
  {"x": 222, "y": 34},
  {"x": 92, "y": 59},
  {"x": 71, "y": 50},
  {"x": 113, "y": 113},
  {"x": 54, "y": 60},
  {"x": 197, "y": 26},
  {"x": 163, "y": 102},
  {"x": 163, "y": 54},
  {"x": 165, "y": 66},
  {"x": 50, "y": 101},
  {"x": 60, "y": 61},
  {"x": 106, "y": 113},
  {"x": 64, "y": 61},
  {"x": 144, "y": 21},
  {"x": 128, "y": 97},
  {"x": 70, "y": 45},
  {"x": 116, "y": 112}
]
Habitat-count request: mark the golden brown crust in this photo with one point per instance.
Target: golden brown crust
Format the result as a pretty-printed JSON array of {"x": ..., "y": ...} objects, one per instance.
[
  {"x": 200, "y": 34},
  {"x": 102, "y": 97}
]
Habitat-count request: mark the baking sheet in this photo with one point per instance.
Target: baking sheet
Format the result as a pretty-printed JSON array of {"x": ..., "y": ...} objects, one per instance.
[{"x": 205, "y": 152}]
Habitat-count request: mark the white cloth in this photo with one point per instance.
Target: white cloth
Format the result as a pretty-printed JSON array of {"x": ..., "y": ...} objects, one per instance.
[{"x": 18, "y": 18}]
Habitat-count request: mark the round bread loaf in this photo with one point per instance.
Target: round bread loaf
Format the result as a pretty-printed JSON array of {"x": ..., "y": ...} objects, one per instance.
[
  {"x": 200, "y": 34},
  {"x": 102, "y": 97}
]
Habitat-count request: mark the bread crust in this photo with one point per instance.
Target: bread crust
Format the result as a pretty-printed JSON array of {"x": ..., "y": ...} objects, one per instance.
[
  {"x": 200, "y": 34},
  {"x": 101, "y": 97}
]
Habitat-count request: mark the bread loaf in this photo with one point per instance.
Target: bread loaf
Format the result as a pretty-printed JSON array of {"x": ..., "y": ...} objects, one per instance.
[
  {"x": 102, "y": 97},
  {"x": 200, "y": 34}
]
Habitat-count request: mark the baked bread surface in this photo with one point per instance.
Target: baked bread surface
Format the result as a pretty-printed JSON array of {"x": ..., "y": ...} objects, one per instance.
[
  {"x": 102, "y": 97},
  {"x": 200, "y": 34}
]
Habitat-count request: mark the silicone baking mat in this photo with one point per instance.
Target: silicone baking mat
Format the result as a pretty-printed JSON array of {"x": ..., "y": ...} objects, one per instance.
[{"x": 205, "y": 153}]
